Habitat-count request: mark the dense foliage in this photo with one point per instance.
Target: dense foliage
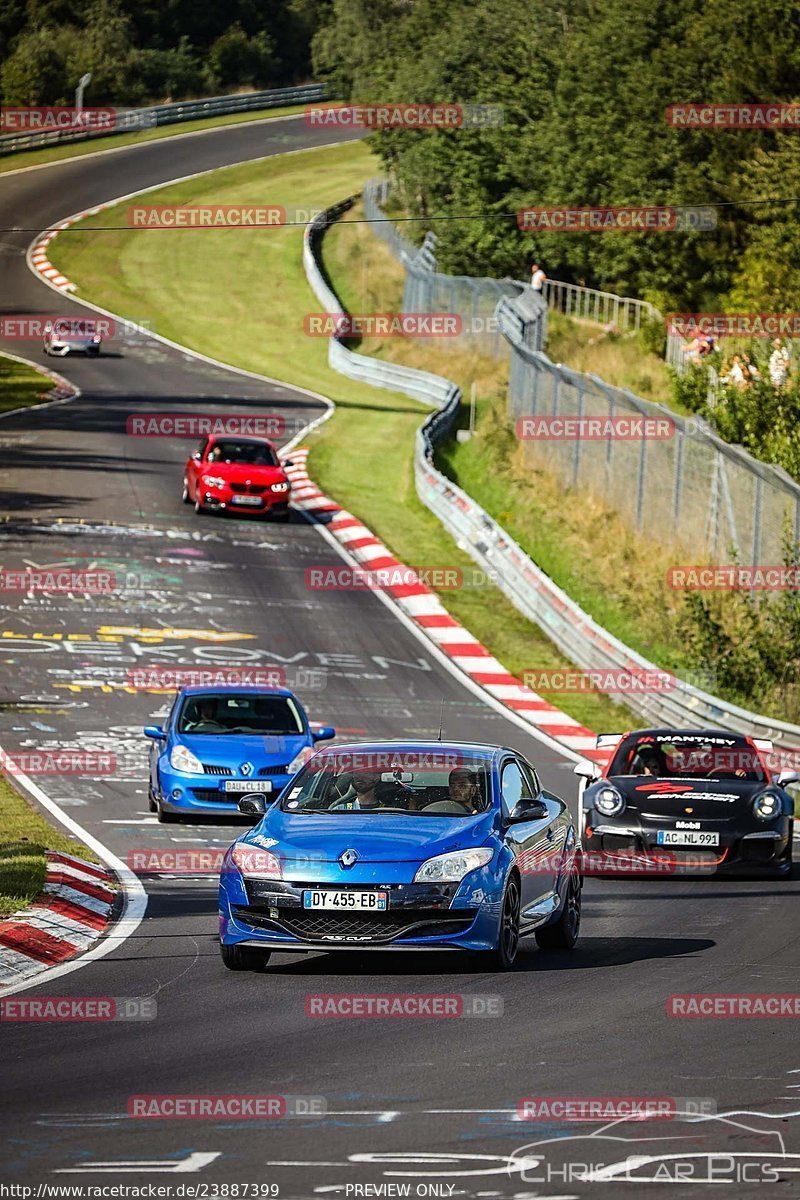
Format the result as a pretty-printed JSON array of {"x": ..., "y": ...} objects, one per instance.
[
  {"x": 151, "y": 51},
  {"x": 584, "y": 85}
]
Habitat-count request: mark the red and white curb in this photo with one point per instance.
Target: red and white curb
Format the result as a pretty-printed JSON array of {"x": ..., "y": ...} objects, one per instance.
[
  {"x": 71, "y": 913},
  {"x": 38, "y": 252},
  {"x": 423, "y": 606}
]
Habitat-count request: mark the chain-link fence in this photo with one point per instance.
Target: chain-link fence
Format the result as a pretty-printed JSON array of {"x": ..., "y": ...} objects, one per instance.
[
  {"x": 684, "y": 486},
  {"x": 427, "y": 290}
]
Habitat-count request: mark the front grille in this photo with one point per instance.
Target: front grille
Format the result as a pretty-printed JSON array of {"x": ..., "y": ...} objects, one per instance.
[
  {"x": 212, "y": 795},
  {"x": 215, "y": 769},
  {"x": 377, "y": 927},
  {"x": 248, "y": 489},
  {"x": 283, "y": 769}
]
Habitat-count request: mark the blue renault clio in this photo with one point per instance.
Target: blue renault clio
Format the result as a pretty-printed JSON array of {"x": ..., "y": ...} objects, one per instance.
[
  {"x": 403, "y": 846},
  {"x": 220, "y": 743}
]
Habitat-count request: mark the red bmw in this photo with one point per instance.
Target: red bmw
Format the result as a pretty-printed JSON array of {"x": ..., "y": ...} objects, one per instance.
[{"x": 239, "y": 473}]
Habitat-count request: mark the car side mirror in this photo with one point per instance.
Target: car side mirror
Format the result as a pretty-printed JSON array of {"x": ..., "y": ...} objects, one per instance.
[
  {"x": 323, "y": 733},
  {"x": 253, "y": 805},
  {"x": 154, "y": 731},
  {"x": 787, "y": 777},
  {"x": 527, "y": 810},
  {"x": 288, "y": 463},
  {"x": 587, "y": 770},
  {"x": 197, "y": 456}
]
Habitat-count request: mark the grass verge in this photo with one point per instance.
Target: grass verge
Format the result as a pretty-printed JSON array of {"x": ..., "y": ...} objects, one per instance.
[
  {"x": 20, "y": 385},
  {"x": 246, "y": 304},
  {"x": 24, "y": 837},
  {"x": 49, "y": 154}
]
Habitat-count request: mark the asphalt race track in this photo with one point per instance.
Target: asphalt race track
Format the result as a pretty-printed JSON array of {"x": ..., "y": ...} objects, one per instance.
[{"x": 425, "y": 1104}]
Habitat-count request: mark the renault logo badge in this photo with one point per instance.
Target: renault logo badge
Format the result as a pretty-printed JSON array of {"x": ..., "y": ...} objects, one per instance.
[
  {"x": 246, "y": 769},
  {"x": 348, "y": 858}
]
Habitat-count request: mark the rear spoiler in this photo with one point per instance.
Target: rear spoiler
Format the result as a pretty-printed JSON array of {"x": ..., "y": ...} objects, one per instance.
[{"x": 765, "y": 744}]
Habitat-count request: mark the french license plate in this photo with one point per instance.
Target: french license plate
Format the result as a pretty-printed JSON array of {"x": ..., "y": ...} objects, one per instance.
[
  {"x": 347, "y": 901},
  {"x": 244, "y": 785},
  {"x": 250, "y": 501},
  {"x": 686, "y": 837}
]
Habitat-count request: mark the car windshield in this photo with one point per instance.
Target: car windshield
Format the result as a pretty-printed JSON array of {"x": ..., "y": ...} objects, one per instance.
[
  {"x": 446, "y": 785},
  {"x": 254, "y": 454},
  {"x": 267, "y": 715},
  {"x": 688, "y": 756}
]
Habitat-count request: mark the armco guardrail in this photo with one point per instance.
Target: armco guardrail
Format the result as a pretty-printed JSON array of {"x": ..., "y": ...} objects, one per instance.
[
  {"x": 531, "y": 591},
  {"x": 129, "y": 119}
]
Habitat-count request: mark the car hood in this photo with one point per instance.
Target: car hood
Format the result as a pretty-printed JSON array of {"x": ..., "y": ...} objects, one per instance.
[
  {"x": 231, "y": 750},
  {"x": 389, "y": 838},
  {"x": 241, "y": 472},
  {"x": 710, "y": 799}
]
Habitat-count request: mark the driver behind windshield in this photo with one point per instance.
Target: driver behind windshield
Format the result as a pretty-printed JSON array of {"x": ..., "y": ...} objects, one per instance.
[
  {"x": 647, "y": 762},
  {"x": 367, "y": 791},
  {"x": 462, "y": 788},
  {"x": 203, "y": 718}
]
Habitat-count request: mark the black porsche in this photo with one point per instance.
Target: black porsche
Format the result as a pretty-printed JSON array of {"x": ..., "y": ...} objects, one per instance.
[{"x": 687, "y": 800}]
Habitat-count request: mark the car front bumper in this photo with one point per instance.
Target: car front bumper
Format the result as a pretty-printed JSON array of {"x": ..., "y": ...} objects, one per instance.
[
  {"x": 270, "y": 914},
  {"x": 205, "y": 794},
  {"x": 761, "y": 850},
  {"x": 226, "y": 500}
]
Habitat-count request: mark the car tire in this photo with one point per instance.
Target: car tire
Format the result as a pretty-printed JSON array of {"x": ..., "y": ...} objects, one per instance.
[
  {"x": 505, "y": 952},
  {"x": 166, "y": 818},
  {"x": 185, "y": 497},
  {"x": 564, "y": 933},
  {"x": 244, "y": 958},
  {"x": 198, "y": 507},
  {"x": 151, "y": 801}
]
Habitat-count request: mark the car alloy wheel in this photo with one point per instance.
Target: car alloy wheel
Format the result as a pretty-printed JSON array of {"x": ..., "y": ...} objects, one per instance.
[
  {"x": 508, "y": 934},
  {"x": 198, "y": 507},
  {"x": 244, "y": 958},
  {"x": 185, "y": 497},
  {"x": 564, "y": 933}
]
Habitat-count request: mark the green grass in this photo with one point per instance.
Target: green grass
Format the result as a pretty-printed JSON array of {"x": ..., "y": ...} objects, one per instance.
[
  {"x": 24, "y": 837},
  {"x": 34, "y": 158},
  {"x": 241, "y": 296},
  {"x": 618, "y": 358},
  {"x": 20, "y": 385}
]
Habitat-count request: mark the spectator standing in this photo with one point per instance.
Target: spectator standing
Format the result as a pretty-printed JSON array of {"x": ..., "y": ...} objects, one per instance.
[
  {"x": 778, "y": 364},
  {"x": 538, "y": 278}
]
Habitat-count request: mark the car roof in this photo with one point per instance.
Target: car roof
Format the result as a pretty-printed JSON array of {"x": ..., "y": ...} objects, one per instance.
[
  {"x": 239, "y": 437},
  {"x": 476, "y": 749},
  {"x": 233, "y": 689},
  {"x": 695, "y": 733}
]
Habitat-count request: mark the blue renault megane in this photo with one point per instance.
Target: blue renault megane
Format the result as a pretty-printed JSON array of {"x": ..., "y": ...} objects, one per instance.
[
  {"x": 219, "y": 743},
  {"x": 403, "y": 846}
]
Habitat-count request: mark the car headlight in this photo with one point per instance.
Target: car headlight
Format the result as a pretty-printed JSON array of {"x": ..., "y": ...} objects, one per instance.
[
  {"x": 767, "y": 806},
  {"x": 182, "y": 759},
  {"x": 300, "y": 760},
  {"x": 279, "y": 487},
  {"x": 451, "y": 868},
  {"x": 254, "y": 863},
  {"x": 609, "y": 802},
  {"x": 213, "y": 481}
]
